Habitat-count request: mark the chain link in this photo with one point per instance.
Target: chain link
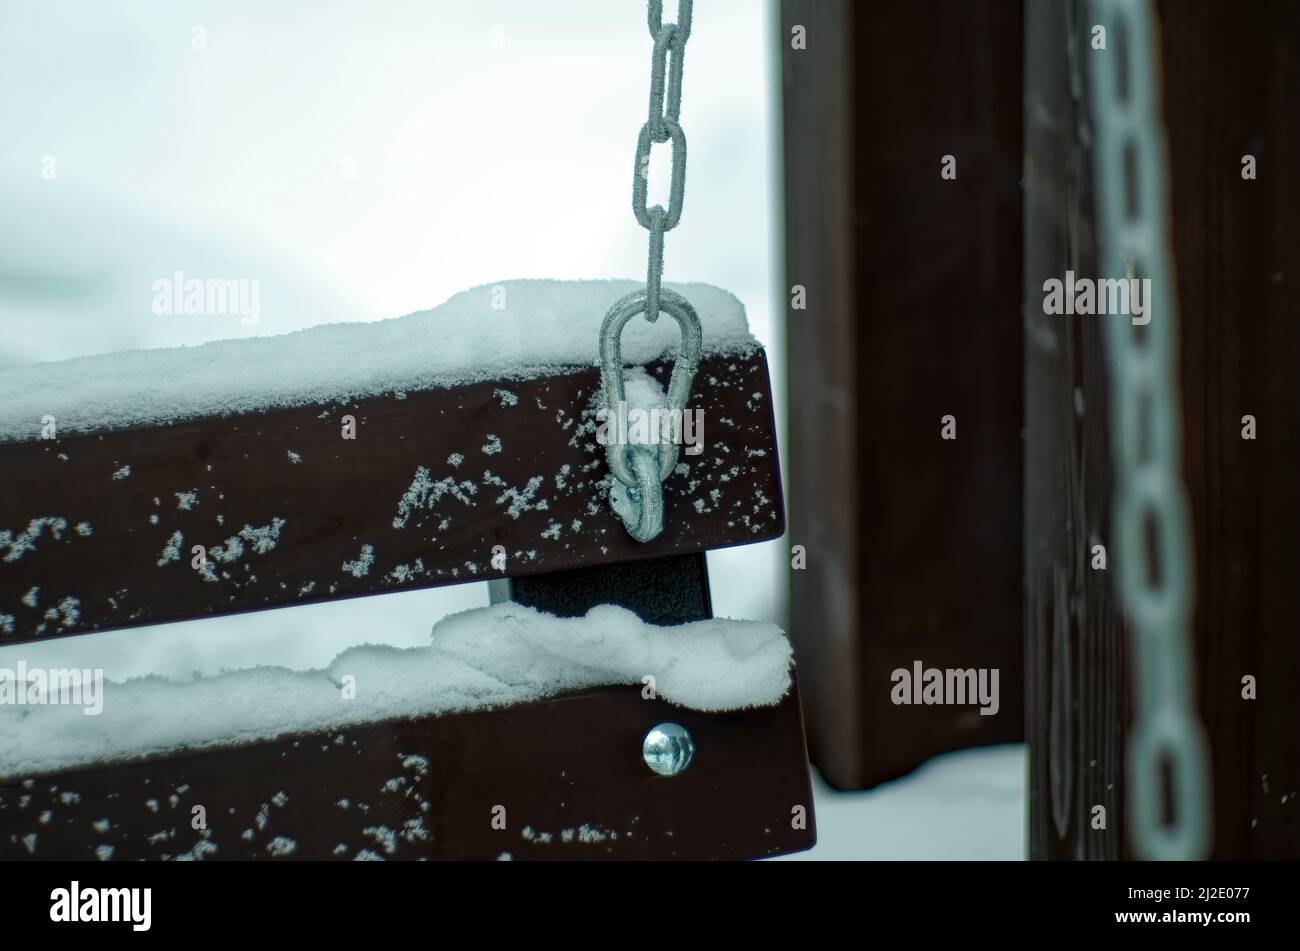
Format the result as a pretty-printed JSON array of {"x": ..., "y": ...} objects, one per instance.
[
  {"x": 661, "y": 126},
  {"x": 637, "y": 494},
  {"x": 1154, "y": 582},
  {"x": 670, "y": 40}
]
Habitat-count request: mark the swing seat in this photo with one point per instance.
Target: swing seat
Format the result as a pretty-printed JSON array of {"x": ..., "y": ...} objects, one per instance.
[{"x": 449, "y": 446}]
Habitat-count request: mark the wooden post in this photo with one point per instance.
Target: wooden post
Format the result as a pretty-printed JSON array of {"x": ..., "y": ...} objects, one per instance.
[{"x": 912, "y": 314}]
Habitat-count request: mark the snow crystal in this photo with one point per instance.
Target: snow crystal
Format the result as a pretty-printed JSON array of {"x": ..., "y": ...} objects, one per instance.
[
  {"x": 26, "y": 540},
  {"x": 482, "y": 658},
  {"x": 66, "y": 612},
  {"x": 204, "y": 848},
  {"x": 522, "y": 501},
  {"x": 281, "y": 845},
  {"x": 416, "y": 762},
  {"x": 413, "y": 830},
  {"x": 552, "y": 327},
  {"x": 231, "y": 551},
  {"x": 385, "y": 837},
  {"x": 424, "y": 492},
  {"x": 173, "y": 550},
  {"x": 122, "y": 473},
  {"x": 265, "y": 538},
  {"x": 404, "y": 573},
  {"x": 361, "y": 567}
]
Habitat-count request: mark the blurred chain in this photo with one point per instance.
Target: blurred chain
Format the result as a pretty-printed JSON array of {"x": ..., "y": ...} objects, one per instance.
[
  {"x": 639, "y": 471},
  {"x": 1154, "y": 580}
]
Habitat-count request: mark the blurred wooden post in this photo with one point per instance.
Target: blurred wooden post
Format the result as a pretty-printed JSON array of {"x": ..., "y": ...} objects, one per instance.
[
  {"x": 1074, "y": 645},
  {"x": 912, "y": 313},
  {"x": 1231, "y": 87}
]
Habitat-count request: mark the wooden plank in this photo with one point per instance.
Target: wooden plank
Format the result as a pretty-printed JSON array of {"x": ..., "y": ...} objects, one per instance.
[
  {"x": 1231, "y": 86},
  {"x": 568, "y": 772},
  {"x": 522, "y": 471},
  {"x": 913, "y": 542}
]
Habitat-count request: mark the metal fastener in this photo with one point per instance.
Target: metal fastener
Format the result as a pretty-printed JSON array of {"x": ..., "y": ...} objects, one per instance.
[{"x": 668, "y": 749}]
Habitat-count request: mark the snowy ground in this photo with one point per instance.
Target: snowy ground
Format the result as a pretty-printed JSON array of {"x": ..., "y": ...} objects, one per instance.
[{"x": 964, "y": 805}]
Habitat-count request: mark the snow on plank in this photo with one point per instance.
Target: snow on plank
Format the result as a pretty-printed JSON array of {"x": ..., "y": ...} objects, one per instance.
[
  {"x": 567, "y": 771},
  {"x": 484, "y": 658},
  {"x": 452, "y": 475}
]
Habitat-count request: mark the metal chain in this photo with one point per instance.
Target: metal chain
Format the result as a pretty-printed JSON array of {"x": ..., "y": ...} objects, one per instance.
[
  {"x": 637, "y": 494},
  {"x": 662, "y": 126},
  {"x": 1144, "y": 407}
]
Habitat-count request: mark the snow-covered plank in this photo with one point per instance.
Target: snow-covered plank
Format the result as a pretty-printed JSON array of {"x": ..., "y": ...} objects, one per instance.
[
  {"x": 484, "y": 658},
  {"x": 513, "y": 330},
  {"x": 566, "y": 773},
  {"x": 441, "y": 485},
  {"x": 516, "y": 732}
]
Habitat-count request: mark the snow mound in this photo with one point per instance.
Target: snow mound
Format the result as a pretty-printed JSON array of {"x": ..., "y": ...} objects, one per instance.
[
  {"x": 510, "y": 330},
  {"x": 478, "y": 659}
]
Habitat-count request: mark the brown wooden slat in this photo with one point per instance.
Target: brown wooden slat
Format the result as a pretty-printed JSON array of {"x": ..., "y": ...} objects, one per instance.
[
  {"x": 346, "y": 493},
  {"x": 570, "y": 763}
]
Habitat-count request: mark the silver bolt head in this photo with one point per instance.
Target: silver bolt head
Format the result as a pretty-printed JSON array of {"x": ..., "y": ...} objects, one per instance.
[{"x": 668, "y": 749}]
